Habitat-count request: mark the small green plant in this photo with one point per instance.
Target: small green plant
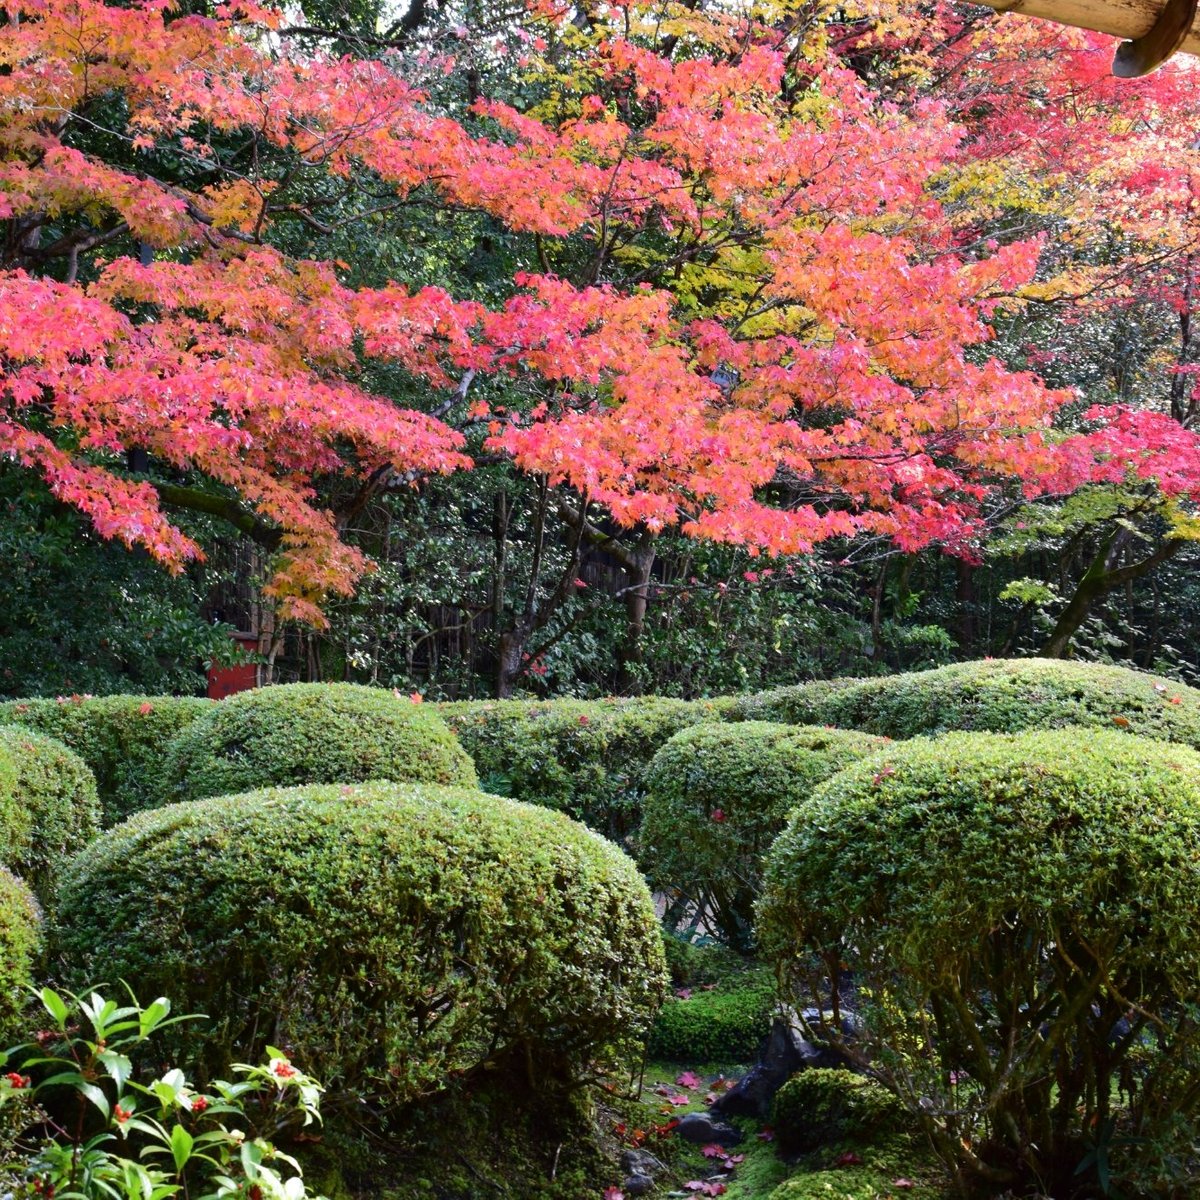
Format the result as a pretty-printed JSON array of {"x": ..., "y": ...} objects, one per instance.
[{"x": 88, "y": 1129}]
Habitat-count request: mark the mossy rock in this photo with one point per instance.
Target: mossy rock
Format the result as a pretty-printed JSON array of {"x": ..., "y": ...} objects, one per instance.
[
  {"x": 304, "y": 733},
  {"x": 396, "y": 937},
  {"x": 48, "y": 806},
  {"x": 820, "y": 1106},
  {"x": 122, "y": 739}
]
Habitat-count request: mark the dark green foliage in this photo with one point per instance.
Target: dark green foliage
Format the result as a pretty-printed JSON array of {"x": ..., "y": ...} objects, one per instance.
[
  {"x": 400, "y": 936},
  {"x": 121, "y": 738},
  {"x": 312, "y": 733},
  {"x": 997, "y": 696},
  {"x": 818, "y": 1106},
  {"x": 717, "y": 796},
  {"x": 584, "y": 757},
  {"x": 1002, "y": 903},
  {"x": 723, "y": 1022},
  {"x": 80, "y": 613},
  {"x": 20, "y": 940},
  {"x": 692, "y": 964},
  {"x": 48, "y": 806}
]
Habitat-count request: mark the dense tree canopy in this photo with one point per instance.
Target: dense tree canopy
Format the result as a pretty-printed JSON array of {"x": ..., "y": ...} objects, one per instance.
[{"x": 776, "y": 278}]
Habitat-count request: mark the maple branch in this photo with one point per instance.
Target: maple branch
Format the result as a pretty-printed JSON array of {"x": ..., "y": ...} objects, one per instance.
[{"x": 224, "y": 507}]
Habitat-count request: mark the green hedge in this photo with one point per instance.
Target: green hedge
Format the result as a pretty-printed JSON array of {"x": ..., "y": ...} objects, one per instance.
[
  {"x": 717, "y": 796},
  {"x": 312, "y": 733},
  {"x": 795, "y": 704},
  {"x": 996, "y": 696},
  {"x": 48, "y": 805},
  {"x": 1004, "y": 904},
  {"x": 724, "y": 1022},
  {"x": 583, "y": 757},
  {"x": 121, "y": 738},
  {"x": 20, "y": 940},
  {"x": 395, "y": 936}
]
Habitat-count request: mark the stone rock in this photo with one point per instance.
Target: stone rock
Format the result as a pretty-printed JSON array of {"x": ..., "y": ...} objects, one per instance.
[
  {"x": 786, "y": 1051},
  {"x": 641, "y": 1162},
  {"x": 638, "y": 1185},
  {"x": 703, "y": 1128}
]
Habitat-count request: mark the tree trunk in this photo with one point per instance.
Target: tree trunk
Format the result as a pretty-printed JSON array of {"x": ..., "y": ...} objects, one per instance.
[
  {"x": 1101, "y": 578},
  {"x": 637, "y": 569}
]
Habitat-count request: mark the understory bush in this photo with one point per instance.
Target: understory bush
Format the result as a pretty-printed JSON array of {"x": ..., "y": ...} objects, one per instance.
[
  {"x": 1014, "y": 920},
  {"x": 302, "y": 733},
  {"x": 583, "y": 757},
  {"x": 725, "y": 1021},
  {"x": 717, "y": 796},
  {"x": 402, "y": 935},
  {"x": 20, "y": 940},
  {"x": 48, "y": 805},
  {"x": 996, "y": 696},
  {"x": 121, "y": 738},
  {"x": 819, "y": 1106}
]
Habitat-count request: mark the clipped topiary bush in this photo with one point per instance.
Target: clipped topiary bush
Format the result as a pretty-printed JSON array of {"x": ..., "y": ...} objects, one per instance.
[
  {"x": 20, "y": 941},
  {"x": 48, "y": 805},
  {"x": 722, "y": 1022},
  {"x": 121, "y": 738},
  {"x": 717, "y": 796},
  {"x": 401, "y": 935},
  {"x": 819, "y": 1106},
  {"x": 583, "y": 757},
  {"x": 795, "y": 704},
  {"x": 312, "y": 733},
  {"x": 1016, "y": 916},
  {"x": 999, "y": 696}
]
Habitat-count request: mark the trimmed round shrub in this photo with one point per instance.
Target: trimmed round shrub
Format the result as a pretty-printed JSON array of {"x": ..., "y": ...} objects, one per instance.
[
  {"x": 1005, "y": 696},
  {"x": 121, "y": 738},
  {"x": 395, "y": 936},
  {"x": 48, "y": 805},
  {"x": 819, "y": 1106},
  {"x": 1014, "y": 918},
  {"x": 717, "y": 796},
  {"x": 583, "y": 757},
  {"x": 20, "y": 940},
  {"x": 725, "y": 1022},
  {"x": 795, "y": 704},
  {"x": 301, "y": 733}
]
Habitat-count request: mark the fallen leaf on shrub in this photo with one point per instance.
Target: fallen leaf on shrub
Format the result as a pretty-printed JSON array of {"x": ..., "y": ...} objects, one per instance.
[
  {"x": 1122, "y": 721},
  {"x": 706, "y": 1189},
  {"x": 718, "y": 815},
  {"x": 1175, "y": 700},
  {"x": 766, "y": 1134},
  {"x": 730, "y": 1084},
  {"x": 613, "y": 1193},
  {"x": 145, "y": 708},
  {"x": 710, "y": 1098},
  {"x": 849, "y": 1159},
  {"x": 683, "y": 993},
  {"x": 687, "y": 1080},
  {"x": 712, "y": 1150},
  {"x": 732, "y": 1160},
  {"x": 679, "y": 1100},
  {"x": 708, "y": 987},
  {"x": 619, "y": 1128},
  {"x": 903, "y": 1184}
]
